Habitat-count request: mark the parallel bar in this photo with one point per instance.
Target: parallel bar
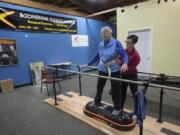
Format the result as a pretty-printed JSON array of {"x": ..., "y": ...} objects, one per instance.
[
  {"x": 154, "y": 74},
  {"x": 145, "y": 73},
  {"x": 80, "y": 88},
  {"x": 54, "y": 87},
  {"x": 121, "y": 80},
  {"x": 141, "y": 129},
  {"x": 160, "y": 106},
  {"x": 93, "y": 67}
]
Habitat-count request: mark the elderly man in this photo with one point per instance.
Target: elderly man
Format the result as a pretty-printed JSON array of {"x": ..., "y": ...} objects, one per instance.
[{"x": 108, "y": 51}]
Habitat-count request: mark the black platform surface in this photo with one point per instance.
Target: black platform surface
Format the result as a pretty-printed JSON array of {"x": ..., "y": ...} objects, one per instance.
[{"x": 103, "y": 111}]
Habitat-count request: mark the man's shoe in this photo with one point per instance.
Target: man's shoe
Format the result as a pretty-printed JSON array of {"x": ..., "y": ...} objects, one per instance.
[
  {"x": 131, "y": 113},
  {"x": 94, "y": 104},
  {"x": 116, "y": 112}
]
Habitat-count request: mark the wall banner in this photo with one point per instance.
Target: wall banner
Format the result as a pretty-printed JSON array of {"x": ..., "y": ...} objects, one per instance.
[{"x": 12, "y": 19}]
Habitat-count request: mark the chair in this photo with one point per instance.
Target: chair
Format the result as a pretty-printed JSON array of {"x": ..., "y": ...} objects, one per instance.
[{"x": 47, "y": 78}]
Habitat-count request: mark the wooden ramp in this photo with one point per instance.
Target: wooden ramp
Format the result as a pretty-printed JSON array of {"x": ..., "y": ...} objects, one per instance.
[{"x": 73, "y": 104}]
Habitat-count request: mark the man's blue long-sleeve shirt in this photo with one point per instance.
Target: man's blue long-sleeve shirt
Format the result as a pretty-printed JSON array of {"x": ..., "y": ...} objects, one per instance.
[{"x": 107, "y": 51}]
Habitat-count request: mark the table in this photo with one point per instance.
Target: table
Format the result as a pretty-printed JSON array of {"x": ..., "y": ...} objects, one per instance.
[{"x": 57, "y": 65}]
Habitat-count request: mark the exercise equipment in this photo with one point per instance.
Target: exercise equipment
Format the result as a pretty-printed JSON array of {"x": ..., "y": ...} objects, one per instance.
[
  {"x": 141, "y": 83},
  {"x": 103, "y": 112}
]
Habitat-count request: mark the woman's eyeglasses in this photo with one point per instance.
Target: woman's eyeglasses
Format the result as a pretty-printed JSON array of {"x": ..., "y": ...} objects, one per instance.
[{"x": 127, "y": 42}]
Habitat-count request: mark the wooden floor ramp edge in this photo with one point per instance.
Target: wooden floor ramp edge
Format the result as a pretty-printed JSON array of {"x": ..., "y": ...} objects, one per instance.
[{"x": 73, "y": 104}]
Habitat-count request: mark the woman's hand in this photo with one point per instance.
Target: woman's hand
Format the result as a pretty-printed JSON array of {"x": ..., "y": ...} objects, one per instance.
[
  {"x": 124, "y": 68},
  {"x": 118, "y": 60}
]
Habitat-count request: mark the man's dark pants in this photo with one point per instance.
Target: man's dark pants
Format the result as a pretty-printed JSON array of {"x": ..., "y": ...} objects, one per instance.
[{"x": 115, "y": 87}]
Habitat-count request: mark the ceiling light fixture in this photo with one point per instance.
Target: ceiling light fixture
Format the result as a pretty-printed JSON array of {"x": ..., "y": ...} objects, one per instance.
[
  {"x": 122, "y": 10},
  {"x": 135, "y": 7},
  {"x": 159, "y": 1}
]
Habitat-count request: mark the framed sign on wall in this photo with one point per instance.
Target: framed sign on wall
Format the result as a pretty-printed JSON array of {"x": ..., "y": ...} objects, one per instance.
[
  {"x": 8, "y": 52},
  {"x": 80, "y": 40}
]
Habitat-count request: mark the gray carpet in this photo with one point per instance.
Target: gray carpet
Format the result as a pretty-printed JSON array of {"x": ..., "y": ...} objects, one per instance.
[{"x": 23, "y": 111}]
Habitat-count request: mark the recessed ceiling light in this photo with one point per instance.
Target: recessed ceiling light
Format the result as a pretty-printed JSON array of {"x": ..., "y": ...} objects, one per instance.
[
  {"x": 122, "y": 10},
  {"x": 135, "y": 7}
]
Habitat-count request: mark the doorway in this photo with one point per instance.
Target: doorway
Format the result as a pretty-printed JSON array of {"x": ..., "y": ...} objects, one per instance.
[{"x": 144, "y": 47}]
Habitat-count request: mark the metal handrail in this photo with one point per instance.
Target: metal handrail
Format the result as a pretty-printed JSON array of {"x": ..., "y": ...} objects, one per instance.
[
  {"x": 143, "y": 73},
  {"x": 119, "y": 79}
]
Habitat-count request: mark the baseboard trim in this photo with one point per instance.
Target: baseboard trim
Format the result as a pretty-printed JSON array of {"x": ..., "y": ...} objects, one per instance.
[{"x": 22, "y": 85}]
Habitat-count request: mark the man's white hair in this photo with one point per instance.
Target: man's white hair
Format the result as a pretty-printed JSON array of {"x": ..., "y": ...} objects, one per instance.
[{"x": 106, "y": 28}]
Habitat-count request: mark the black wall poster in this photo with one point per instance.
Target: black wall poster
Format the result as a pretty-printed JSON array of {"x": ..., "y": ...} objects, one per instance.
[
  {"x": 29, "y": 21},
  {"x": 8, "y": 52}
]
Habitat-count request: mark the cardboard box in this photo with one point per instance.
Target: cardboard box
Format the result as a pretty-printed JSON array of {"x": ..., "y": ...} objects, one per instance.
[{"x": 7, "y": 85}]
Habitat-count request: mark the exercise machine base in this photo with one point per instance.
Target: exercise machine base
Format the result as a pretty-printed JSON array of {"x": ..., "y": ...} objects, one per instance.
[{"x": 103, "y": 113}]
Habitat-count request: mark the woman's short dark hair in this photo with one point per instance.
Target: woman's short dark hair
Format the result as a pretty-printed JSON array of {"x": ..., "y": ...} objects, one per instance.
[{"x": 134, "y": 38}]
